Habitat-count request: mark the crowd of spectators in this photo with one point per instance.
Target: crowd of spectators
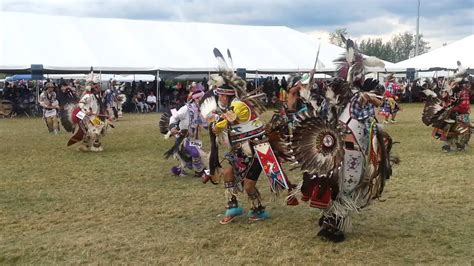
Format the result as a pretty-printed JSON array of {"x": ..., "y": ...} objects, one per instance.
[
  {"x": 142, "y": 96},
  {"x": 21, "y": 94},
  {"x": 144, "y": 99}
]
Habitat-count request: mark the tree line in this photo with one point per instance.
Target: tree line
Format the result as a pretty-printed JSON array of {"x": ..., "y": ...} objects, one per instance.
[{"x": 400, "y": 47}]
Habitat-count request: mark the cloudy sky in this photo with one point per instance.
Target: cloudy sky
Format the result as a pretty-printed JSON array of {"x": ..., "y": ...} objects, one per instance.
[{"x": 441, "y": 21}]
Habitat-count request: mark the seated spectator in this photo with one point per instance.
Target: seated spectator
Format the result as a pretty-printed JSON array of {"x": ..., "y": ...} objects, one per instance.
[
  {"x": 151, "y": 101},
  {"x": 140, "y": 102}
]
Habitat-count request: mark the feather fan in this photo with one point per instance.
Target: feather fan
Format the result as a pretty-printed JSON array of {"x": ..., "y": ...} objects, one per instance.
[
  {"x": 317, "y": 147},
  {"x": 164, "y": 122},
  {"x": 66, "y": 117},
  {"x": 433, "y": 111}
]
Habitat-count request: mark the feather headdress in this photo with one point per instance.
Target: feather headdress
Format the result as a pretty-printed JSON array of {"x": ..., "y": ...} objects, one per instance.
[
  {"x": 91, "y": 79},
  {"x": 228, "y": 79}
]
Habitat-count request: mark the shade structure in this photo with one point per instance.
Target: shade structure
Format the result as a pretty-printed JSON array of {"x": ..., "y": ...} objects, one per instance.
[
  {"x": 64, "y": 44},
  {"x": 444, "y": 57}
]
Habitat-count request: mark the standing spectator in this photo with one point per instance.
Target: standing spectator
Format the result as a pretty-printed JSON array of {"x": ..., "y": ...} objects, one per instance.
[
  {"x": 268, "y": 89},
  {"x": 60, "y": 94},
  {"x": 154, "y": 84},
  {"x": 284, "y": 83},
  {"x": 276, "y": 84},
  {"x": 181, "y": 96},
  {"x": 276, "y": 88},
  {"x": 108, "y": 99},
  {"x": 134, "y": 87},
  {"x": 8, "y": 92},
  {"x": 205, "y": 84},
  {"x": 147, "y": 88},
  {"x": 408, "y": 93},
  {"x": 250, "y": 86},
  {"x": 141, "y": 86},
  {"x": 15, "y": 99},
  {"x": 163, "y": 92}
]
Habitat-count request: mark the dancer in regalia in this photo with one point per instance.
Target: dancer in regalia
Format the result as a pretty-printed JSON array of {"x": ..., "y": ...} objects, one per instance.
[
  {"x": 88, "y": 118},
  {"x": 345, "y": 155},
  {"x": 234, "y": 120},
  {"x": 185, "y": 125},
  {"x": 447, "y": 109},
  {"x": 50, "y": 106}
]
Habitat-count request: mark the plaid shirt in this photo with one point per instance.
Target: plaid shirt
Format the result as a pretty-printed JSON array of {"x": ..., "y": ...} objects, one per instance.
[{"x": 361, "y": 112}]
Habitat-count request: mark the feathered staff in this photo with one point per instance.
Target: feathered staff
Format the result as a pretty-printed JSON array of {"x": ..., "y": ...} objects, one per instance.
[
  {"x": 313, "y": 71},
  {"x": 352, "y": 65},
  {"x": 350, "y": 70}
]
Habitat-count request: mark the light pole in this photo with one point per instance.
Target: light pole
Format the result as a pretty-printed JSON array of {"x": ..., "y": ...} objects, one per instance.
[{"x": 417, "y": 37}]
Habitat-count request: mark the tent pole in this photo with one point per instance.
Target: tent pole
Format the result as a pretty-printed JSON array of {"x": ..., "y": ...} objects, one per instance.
[
  {"x": 37, "y": 91},
  {"x": 256, "y": 79},
  {"x": 158, "y": 91}
]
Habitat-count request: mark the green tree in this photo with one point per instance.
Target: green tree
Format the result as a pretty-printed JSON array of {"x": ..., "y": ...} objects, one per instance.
[
  {"x": 335, "y": 37},
  {"x": 376, "y": 47},
  {"x": 403, "y": 45},
  {"x": 399, "y": 48}
]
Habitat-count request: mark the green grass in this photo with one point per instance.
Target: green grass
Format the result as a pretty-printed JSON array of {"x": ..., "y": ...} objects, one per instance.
[{"x": 61, "y": 206}]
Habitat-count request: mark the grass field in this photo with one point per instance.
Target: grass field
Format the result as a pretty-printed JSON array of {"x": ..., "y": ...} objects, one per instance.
[{"x": 61, "y": 206}]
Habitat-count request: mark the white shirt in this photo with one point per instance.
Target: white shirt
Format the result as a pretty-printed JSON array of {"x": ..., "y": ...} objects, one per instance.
[
  {"x": 151, "y": 99},
  {"x": 182, "y": 117},
  {"x": 89, "y": 103}
]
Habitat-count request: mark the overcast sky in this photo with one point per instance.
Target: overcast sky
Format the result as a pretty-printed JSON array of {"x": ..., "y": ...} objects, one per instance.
[{"x": 441, "y": 21}]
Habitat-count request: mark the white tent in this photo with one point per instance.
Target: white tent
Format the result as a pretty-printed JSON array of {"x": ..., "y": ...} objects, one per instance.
[
  {"x": 63, "y": 43},
  {"x": 444, "y": 57},
  {"x": 105, "y": 77}
]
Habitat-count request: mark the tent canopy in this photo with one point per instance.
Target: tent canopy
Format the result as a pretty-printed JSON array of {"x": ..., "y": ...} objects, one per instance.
[
  {"x": 19, "y": 77},
  {"x": 444, "y": 57},
  {"x": 66, "y": 44}
]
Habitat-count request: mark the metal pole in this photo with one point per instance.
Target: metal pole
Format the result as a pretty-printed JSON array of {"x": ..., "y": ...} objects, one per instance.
[
  {"x": 158, "y": 91},
  {"x": 417, "y": 37},
  {"x": 256, "y": 79},
  {"x": 37, "y": 91}
]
